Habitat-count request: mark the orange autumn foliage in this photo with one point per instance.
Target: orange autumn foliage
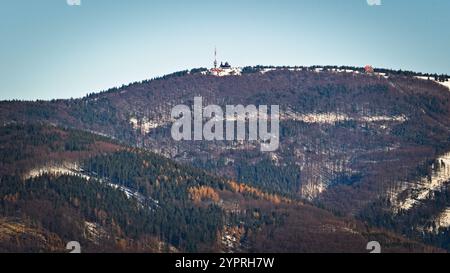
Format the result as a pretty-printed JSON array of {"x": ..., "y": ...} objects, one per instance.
[
  {"x": 242, "y": 188},
  {"x": 202, "y": 193}
]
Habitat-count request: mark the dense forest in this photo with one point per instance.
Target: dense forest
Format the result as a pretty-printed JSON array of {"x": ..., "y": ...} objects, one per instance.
[
  {"x": 127, "y": 199},
  {"x": 348, "y": 141}
]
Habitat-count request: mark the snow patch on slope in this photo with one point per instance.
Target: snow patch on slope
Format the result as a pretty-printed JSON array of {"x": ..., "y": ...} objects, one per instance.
[
  {"x": 422, "y": 189},
  {"x": 443, "y": 220},
  {"x": 446, "y": 83},
  {"x": 66, "y": 168},
  {"x": 331, "y": 118},
  {"x": 145, "y": 125},
  {"x": 73, "y": 169}
]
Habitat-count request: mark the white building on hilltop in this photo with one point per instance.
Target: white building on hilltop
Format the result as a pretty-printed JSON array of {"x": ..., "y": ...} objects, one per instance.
[{"x": 225, "y": 69}]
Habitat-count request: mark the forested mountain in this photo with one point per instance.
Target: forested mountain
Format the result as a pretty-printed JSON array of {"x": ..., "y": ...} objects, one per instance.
[
  {"x": 371, "y": 147},
  {"x": 75, "y": 186}
]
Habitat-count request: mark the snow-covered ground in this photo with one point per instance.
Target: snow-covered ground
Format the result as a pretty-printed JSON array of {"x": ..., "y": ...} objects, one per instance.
[
  {"x": 421, "y": 190},
  {"x": 443, "y": 220},
  {"x": 94, "y": 231},
  {"x": 145, "y": 125},
  {"x": 321, "y": 118},
  {"x": 311, "y": 190},
  {"x": 66, "y": 168},
  {"x": 446, "y": 84},
  {"x": 132, "y": 194},
  {"x": 231, "y": 239},
  {"x": 332, "y": 118},
  {"x": 73, "y": 169},
  {"x": 400, "y": 118},
  {"x": 265, "y": 70},
  {"x": 221, "y": 72}
]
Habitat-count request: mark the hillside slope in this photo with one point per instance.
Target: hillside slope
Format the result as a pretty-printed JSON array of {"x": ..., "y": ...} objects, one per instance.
[
  {"x": 361, "y": 145},
  {"x": 76, "y": 186}
]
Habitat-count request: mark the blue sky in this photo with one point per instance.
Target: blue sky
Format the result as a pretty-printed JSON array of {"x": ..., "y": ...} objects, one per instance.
[{"x": 49, "y": 49}]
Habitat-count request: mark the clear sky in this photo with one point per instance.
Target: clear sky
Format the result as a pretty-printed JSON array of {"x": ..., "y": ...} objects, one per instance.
[{"x": 50, "y": 49}]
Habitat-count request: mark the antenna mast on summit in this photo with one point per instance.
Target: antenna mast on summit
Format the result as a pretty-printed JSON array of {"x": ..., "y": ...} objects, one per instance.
[{"x": 215, "y": 57}]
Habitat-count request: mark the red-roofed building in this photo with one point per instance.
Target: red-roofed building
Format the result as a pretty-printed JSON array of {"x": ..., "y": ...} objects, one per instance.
[{"x": 369, "y": 69}]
